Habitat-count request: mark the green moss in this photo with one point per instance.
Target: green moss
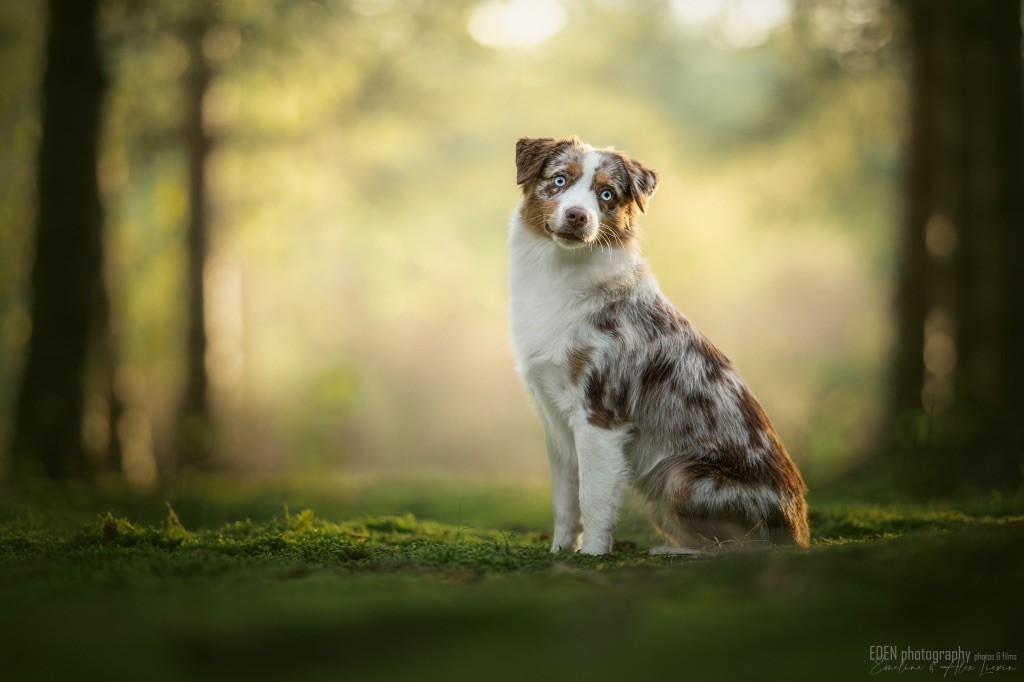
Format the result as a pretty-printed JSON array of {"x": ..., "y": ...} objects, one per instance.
[
  {"x": 304, "y": 596},
  {"x": 405, "y": 543}
]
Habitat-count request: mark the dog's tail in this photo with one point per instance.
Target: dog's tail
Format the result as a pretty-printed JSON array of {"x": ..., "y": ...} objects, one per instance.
[{"x": 791, "y": 528}]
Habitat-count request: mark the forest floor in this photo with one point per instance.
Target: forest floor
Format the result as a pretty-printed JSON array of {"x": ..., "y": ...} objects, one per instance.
[{"x": 209, "y": 579}]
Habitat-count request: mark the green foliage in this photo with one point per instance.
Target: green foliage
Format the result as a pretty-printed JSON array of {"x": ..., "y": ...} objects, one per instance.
[
  {"x": 848, "y": 523},
  {"x": 305, "y": 596},
  {"x": 388, "y": 543}
]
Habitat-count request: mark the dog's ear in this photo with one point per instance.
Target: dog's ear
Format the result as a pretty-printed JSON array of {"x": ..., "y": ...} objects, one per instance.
[
  {"x": 532, "y": 152},
  {"x": 642, "y": 182}
]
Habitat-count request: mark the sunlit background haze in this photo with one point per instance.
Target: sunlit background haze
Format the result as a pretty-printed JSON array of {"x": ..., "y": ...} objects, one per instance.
[{"x": 361, "y": 185}]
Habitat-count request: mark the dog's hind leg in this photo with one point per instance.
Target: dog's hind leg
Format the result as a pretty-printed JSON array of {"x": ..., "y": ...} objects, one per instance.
[
  {"x": 698, "y": 515},
  {"x": 688, "y": 533}
]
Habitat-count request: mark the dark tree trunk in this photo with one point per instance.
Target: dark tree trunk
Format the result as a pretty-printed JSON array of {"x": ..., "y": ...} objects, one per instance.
[
  {"x": 195, "y": 424},
  {"x": 105, "y": 361},
  {"x": 957, "y": 379},
  {"x": 990, "y": 380},
  {"x": 907, "y": 375},
  {"x": 48, "y": 421}
]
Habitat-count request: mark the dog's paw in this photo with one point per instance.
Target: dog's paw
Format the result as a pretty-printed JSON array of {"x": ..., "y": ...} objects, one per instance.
[
  {"x": 599, "y": 548},
  {"x": 565, "y": 542}
]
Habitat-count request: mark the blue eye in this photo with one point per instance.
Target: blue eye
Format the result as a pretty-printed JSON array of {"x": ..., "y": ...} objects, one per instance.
[
  {"x": 559, "y": 180},
  {"x": 606, "y": 195}
]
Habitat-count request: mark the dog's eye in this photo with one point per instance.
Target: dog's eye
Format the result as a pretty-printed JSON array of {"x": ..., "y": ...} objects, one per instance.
[
  {"x": 559, "y": 180},
  {"x": 606, "y": 195}
]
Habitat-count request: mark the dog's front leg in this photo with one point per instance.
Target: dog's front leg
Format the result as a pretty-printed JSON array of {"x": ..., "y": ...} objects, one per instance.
[
  {"x": 565, "y": 496},
  {"x": 602, "y": 472}
]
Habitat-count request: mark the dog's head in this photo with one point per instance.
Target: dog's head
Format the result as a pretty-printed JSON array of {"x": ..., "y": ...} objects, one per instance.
[{"x": 578, "y": 196}]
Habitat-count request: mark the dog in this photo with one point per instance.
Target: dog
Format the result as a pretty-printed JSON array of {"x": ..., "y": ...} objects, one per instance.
[{"x": 626, "y": 387}]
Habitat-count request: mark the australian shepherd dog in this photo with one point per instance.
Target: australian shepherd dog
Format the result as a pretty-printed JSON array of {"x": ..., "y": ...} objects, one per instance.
[{"x": 627, "y": 389}]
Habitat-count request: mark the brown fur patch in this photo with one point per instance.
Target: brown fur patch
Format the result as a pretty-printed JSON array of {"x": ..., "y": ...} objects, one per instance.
[
  {"x": 665, "y": 318},
  {"x": 642, "y": 181},
  {"x": 784, "y": 473},
  {"x": 532, "y": 153},
  {"x": 657, "y": 371},
  {"x": 698, "y": 400},
  {"x": 613, "y": 173},
  {"x": 710, "y": 353},
  {"x": 754, "y": 416},
  {"x": 578, "y": 359},
  {"x": 606, "y": 401},
  {"x": 715, "y": 362},
  {"x": 617, "y": 226},
  {"x": 774, "y": 469},
  {"x": 700, "y": 403},
  {"x": 541, "y": 203},
  {"x": 536, "y": 212}
]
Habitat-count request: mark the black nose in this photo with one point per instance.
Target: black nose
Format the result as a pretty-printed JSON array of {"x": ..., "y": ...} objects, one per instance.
[{"x": 576, "y": 217}]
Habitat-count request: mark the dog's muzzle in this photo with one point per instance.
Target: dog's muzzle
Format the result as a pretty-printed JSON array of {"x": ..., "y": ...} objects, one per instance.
[{"x": 575, "y": 228}]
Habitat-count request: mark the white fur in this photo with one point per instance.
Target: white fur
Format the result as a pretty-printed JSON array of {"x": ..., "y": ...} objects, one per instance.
[{"x": 602, "y": 472}]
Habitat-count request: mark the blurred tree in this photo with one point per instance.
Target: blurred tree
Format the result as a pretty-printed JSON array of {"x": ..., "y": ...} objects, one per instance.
[
  {"x": 194, "y": 431},
  {"x": 101, "y": 383},
  {"x": 958, "y": 372},
  {"x": 66, "y": 273}
]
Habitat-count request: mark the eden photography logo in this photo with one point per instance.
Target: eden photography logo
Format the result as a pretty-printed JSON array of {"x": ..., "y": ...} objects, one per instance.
[{"x": 943, "y": 662}]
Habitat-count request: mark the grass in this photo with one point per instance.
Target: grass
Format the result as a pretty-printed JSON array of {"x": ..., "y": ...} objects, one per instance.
[{"x": 212, "y": 580}]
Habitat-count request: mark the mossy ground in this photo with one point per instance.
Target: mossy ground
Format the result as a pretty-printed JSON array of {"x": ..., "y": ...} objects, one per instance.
[{"x": 211, "y": 580}]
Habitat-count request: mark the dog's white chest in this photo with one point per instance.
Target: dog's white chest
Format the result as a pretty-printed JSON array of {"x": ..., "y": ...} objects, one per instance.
[
  {"x": 545, "y": 326},
  {"x": 550, "y": 312},
  {"x": 549, "y": 303},
  {"x": 544, "y": 323}
]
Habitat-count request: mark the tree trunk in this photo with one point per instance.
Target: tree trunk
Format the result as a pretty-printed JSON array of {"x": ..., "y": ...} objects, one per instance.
[
  {"x": 990, "y": 380},
  {"x": 48, "y": 421},
  {"x": 957, "y": 372},
  {"x": 195, "y": 424},
  {"x": 104, "y": 358},
  {"x": 907, "y": 374}
]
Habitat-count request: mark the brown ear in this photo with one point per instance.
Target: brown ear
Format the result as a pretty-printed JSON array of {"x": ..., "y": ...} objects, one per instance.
[
  {"x": 642, "y": 183},
  {"x": 532, "y": 152}
]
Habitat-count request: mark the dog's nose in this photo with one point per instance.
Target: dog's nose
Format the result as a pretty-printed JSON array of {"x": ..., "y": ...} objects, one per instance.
[{"x": 576, "y": 217}]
